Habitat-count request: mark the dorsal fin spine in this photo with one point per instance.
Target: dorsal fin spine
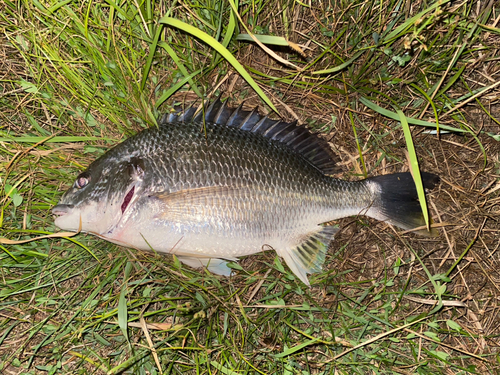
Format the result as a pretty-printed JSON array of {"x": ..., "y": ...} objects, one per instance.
[
  {"x": 258, "y": 124},
  {"x": 282, "y": 133},
  {"x": 298, "y": 138},
  {"x": 298, "y": 146},
  {"x": 210, "y": 108},
  {"x": 269, "y": 131},
  {"x": 199, "y": 115},
  {"x": 219, "y": 114},
  {"x": 263, "y": 125},
  {"x": 234, "y": 115},
  {"x": 247, "y": 119}
]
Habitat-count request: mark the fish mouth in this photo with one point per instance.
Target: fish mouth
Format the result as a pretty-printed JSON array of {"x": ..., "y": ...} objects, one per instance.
[{"x": 62, "y": 209}]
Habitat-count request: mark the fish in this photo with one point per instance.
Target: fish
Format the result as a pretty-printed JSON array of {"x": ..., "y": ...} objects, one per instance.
[{"x": 222, "y": 183}]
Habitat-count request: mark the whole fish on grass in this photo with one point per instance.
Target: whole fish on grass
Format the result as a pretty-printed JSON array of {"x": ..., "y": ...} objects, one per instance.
[{"x": 225, "y": 183}]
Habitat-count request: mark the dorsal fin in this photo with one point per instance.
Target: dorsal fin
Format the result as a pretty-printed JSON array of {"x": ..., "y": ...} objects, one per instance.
[{"x": 298, "y": 138}]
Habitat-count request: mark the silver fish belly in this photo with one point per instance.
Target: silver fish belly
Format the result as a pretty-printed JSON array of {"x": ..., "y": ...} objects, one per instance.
[{"x": 225, "y": 184}]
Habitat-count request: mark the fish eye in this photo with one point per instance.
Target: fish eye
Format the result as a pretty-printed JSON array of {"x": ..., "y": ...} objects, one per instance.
[{"x": 82, "y": 181}]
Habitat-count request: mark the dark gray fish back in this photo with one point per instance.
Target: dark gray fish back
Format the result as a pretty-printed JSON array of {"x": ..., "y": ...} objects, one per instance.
[{"x": 297, "y": 138}]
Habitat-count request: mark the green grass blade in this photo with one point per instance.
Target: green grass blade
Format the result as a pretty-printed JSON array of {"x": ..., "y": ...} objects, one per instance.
[
  {"x": 8, "y": 253},
  {"x": 414, "y": 168},
  {"x": 149, "y": 61},
  {"x": 358, "y": 145},
  {"x": 120, "y": 369},
  {"x": 224, "y": 370},
  {"x": 341, "y": 66},
  {"x": 438, "y": 287},
  {"x": 436, "y": 117},
  {"x": 264, "y": 39},
  {"x": 122, "y": 303},
  {"x": 189, "y": 77},
  {"x": 231, "y": 26},
  {"x": 172, "y": 90},
  {"x": 410, "y": 120},
  {"x": 495, "y": 30},
  {"x": 222, "y": 50},
  {"x": 403, "y": 28},
  {"x": 261, "y": 45},
  {"x": 56, "y": 139},
  {"x": 296, "y": 348},
  {"x": 452, "y": 81}
]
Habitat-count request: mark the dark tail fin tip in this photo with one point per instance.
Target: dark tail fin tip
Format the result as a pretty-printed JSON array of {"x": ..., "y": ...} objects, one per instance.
[{"x": 398, "y": 201}]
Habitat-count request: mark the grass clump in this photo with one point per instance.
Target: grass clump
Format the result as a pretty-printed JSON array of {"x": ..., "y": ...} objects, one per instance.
[{"x": 79, "y": 77}]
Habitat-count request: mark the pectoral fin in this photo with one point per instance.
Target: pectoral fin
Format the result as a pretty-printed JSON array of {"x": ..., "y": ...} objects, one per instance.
[
  {"x": 308, "y": 255},
  {"x": 193, "y": 203}
]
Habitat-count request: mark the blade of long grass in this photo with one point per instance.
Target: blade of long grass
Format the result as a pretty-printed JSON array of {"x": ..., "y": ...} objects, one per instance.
[
  {"x": 7, "y": 251},
  {"x": 149, "y": 61},
  {"x": 267, "y": 50},
  {"x": 414, "y": 168},
  {"x": 429, "y": 100},
  {"x": 296, "y": 348},
  {"x": 478, "y": 94},
  {"x": 231, "y": 27},
  {"x": 358, "y": 145},
  {"x": 264, "y": 39},
  {"x": 55, "y": 139},
  {"x": 403, "y": 28},
  {"x": 122, "y": 303},
  {"x": 451, "y": 64},
  {"x": 224, "y": 370},
  {"x": 452, "y": 81},
  {"x": 271, "y": 40},
  {"x": 495, "y": 30},
  {"x": 410, "y": 120},
  {"x": 222, "y": 50},
  {"x": 172, "y": 90},
  {"x": 341, "y": 66},
  {"x": 379, "y": 337}
]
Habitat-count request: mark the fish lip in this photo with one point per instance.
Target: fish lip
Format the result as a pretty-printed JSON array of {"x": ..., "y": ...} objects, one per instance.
[{"x": 62, "y": 209}]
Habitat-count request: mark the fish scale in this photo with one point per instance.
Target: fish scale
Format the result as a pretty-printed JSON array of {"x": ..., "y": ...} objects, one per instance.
[{"x": 226, "y": 183}]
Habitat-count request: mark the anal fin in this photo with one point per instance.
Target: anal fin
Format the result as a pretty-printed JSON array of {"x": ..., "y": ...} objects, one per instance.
[{"x": 308, "y": 255}]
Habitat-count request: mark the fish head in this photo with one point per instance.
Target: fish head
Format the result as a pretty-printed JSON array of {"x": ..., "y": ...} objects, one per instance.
[{"x": 102, "y": 196}]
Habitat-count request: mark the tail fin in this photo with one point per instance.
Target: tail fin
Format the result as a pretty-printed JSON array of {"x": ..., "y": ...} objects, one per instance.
[{"x": 398, "y": 203}]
